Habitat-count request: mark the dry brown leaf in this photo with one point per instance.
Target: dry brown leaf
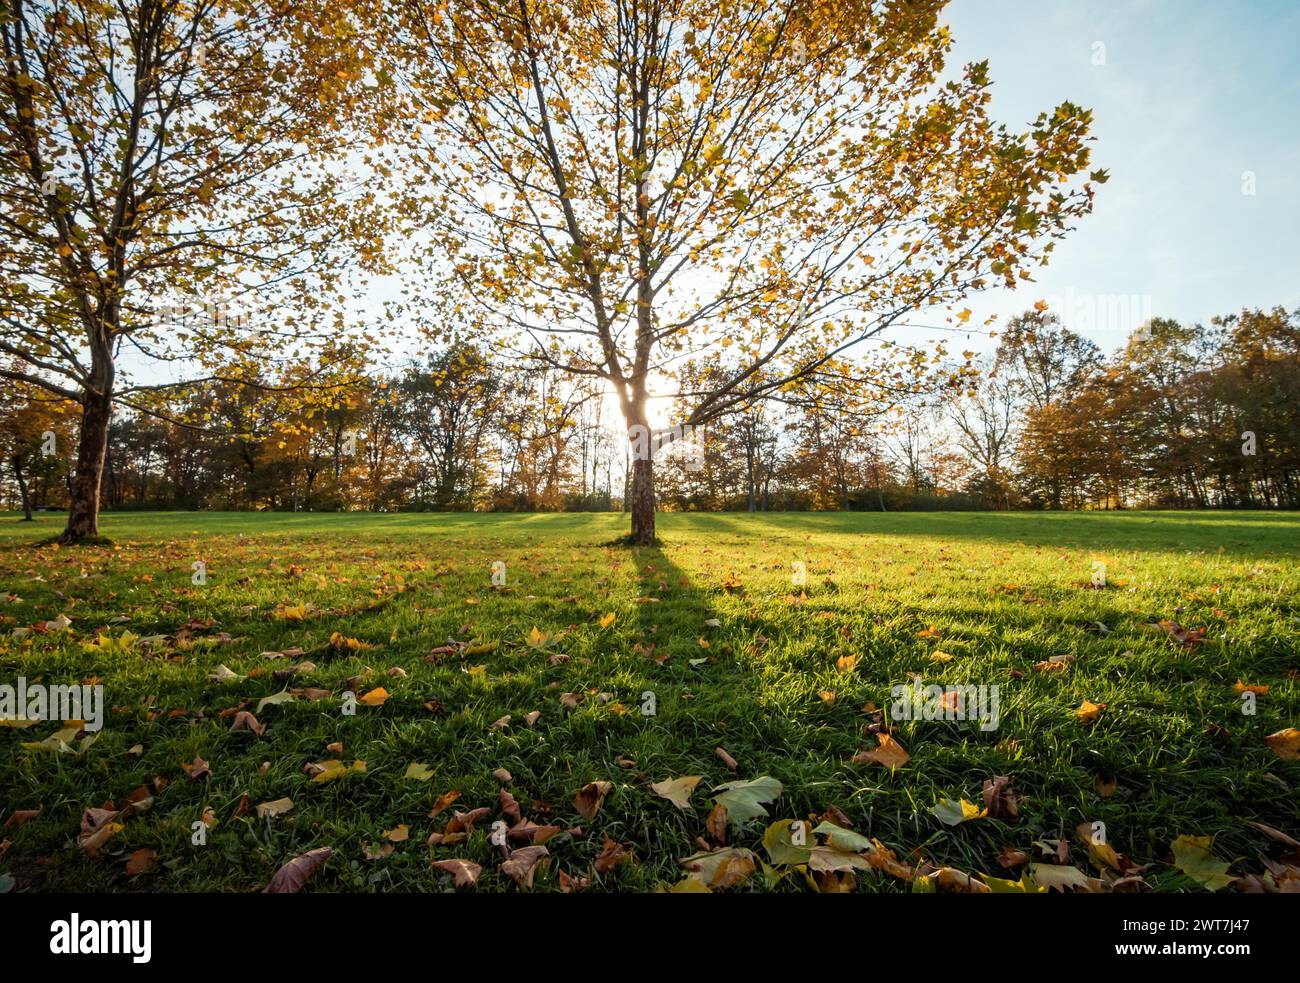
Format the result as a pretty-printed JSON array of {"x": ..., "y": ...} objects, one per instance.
[
  {"x": 444, "y": 800},
  {"x": 245, "y": 721},
  {"x": 291, "y": 878},
  {"x": 588, "y": 799},
  {"x": 464, "y": 872},
  {"x": 611, "y": 855},
  {"x": 521, "y": 865},
  {"x": 1000, "y": 800},
  {"x": 141, "y": 861},
  {"x": 573, "y": 885},
  {"x": 716, "y": 823},
  {"x": 20, "y": 816},
  {"x": 509, "y": 806},
  {"x": 1011, "y": 858}
]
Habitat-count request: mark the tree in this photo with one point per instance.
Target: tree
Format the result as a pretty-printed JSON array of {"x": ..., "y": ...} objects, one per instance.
[
  {"x": 154, "y": 172},
  {"x": 447, "y": 407},
  {"x": 1045, "y": 361},
  {"x": 985, "y": 419},
  {"x": 33, "y": 427},
  {"x": 1045, "y": 364},
  {"x": 624, "y": 184}
]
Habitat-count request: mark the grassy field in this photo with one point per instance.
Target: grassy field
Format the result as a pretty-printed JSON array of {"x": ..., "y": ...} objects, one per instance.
[{"x": 736, "y": 657}]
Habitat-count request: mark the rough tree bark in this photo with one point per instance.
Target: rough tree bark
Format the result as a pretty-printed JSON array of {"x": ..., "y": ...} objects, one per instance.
[
  {"x": 92, "y": 447},
  {"x": 92, "y": 442},
  {"x": 643, "y": 501}
]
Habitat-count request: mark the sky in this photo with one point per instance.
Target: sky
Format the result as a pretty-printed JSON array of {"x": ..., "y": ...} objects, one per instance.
[{"x": 1190, "y": 98}]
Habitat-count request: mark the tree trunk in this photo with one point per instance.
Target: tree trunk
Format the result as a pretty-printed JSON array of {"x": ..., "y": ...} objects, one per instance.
[
  {"x": 92, "y": 449},
  {"x": 643, "y": 501},
  {"x": 749, "y": 461},
  {"x": 22, "y": 489}
]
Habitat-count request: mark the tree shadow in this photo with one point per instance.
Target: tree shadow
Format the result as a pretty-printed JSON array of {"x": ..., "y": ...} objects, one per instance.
[{"x": 1250, "y": 533}]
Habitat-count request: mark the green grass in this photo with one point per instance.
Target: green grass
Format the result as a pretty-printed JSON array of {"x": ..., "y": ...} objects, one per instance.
[{"x": 1004, "y": 591}]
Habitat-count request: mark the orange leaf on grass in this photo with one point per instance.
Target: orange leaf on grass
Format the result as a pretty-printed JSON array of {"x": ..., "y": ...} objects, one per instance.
[{"x": 890, "y": 754}]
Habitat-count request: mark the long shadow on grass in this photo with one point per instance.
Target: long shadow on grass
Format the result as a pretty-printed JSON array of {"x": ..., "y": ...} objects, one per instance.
[{"x": 1245, "y": 533}]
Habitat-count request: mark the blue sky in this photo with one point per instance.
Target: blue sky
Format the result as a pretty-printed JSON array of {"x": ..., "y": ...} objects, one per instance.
[{"x": 1192, "y": 94}]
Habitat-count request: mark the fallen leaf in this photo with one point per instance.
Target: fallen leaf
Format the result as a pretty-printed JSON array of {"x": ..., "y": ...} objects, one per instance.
[
  {"x": 20, "y": 816},
  {"x": 953, "y": 812},
  {"x": 1000, "y": 802},
  {"x": 1285, "y": 743},
  {"x": 1089, "y": 711},
  {"x": 716, "y": 823},
  {"x": 521, "y": 865},
  {"x": 141, "y": 861},
  {"x": 588, "y": 799},
  {"x": 276, "y": 807},
  {"x": 677, "y": 790},
  {"x": 1058, "y": 877},
  {"x": 611, "y": 855},
  {"x": 890, "y": 754},
  {"x": 1192, "y": 856},
  {"x": 464, "y": 872},
  {"x": 246, "y": 721},
  {"x": 293, "y": 876},
  {"x": 443, "y": 801},
  {"x": 745, "y": 800}
]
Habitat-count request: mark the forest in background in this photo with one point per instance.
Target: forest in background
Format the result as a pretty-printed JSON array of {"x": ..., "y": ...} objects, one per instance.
[{"x": 1183, "y": 416}]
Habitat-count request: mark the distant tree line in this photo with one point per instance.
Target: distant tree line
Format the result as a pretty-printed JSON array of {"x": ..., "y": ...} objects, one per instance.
[{"x": 1179, "y": 417}]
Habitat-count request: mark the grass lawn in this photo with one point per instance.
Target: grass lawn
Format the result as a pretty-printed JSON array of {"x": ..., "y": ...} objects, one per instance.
[{"x": 710, "y": 624}]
